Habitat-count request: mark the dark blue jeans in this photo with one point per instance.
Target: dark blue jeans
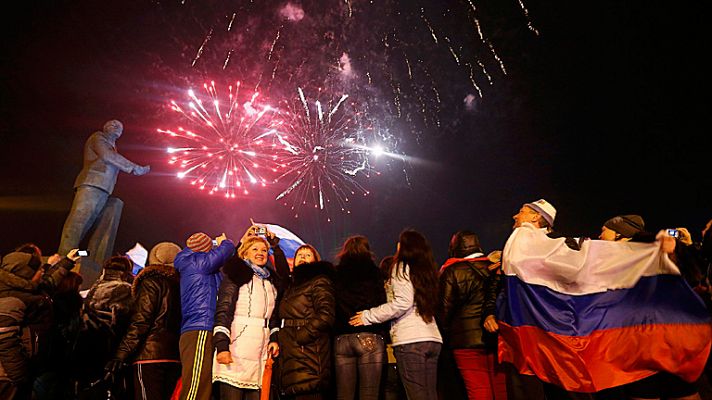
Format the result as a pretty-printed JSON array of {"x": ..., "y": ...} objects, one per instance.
[
  {"x": 359, "y": 358},
  {"x": 418, "y": 368}
]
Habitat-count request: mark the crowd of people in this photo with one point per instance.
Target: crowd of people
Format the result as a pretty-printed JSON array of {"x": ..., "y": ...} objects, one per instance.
[{"x": 236, "y": 319}]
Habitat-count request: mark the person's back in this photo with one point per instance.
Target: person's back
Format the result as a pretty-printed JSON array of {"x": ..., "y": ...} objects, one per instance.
[
  {"x": 151, "y": 342},
  {"x": 154, "y": 336},
  {"x": 199, "y": 267},
  {"x": 358, "y": 285},
  {"x": 463, "y": 286},
  {"x": 199, "y": 283},
  {"x": 360, "y": 351}
]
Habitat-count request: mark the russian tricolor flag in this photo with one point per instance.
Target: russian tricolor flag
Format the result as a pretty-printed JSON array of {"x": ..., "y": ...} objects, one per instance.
[{"x": 609, "y": 314}]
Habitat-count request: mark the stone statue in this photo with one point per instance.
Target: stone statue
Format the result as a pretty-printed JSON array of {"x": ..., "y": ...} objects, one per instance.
[{"x": 95, "y": 184}]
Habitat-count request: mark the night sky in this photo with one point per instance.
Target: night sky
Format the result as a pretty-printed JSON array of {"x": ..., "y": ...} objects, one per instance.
[{"x": 605, "y": 112}]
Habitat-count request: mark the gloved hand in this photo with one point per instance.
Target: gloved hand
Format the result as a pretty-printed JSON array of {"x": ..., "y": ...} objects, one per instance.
[
  {"x": 112, "y": 368},
  {"x": 272, "y": 239}
]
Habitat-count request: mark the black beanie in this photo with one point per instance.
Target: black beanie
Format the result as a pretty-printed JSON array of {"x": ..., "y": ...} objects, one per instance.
[{"x": 626, "y": 225}]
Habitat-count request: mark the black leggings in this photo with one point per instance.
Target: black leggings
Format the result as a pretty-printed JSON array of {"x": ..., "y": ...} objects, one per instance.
[{"x": 229, "y": 392}]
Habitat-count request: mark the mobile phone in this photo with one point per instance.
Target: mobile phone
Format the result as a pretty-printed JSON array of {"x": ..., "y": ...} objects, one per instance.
[
  {"x": 215, "y": 242},
  {"x": 674, "y": 233},
  {"x": 83, "y": 253}
]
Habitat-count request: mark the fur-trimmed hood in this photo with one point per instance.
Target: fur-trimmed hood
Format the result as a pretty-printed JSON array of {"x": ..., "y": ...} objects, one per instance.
[
  {"x": 151, "y": 271},
  {"x": 307, "y": 272}
]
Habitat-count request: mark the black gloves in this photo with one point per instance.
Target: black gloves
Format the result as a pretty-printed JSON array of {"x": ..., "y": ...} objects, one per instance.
[
  {"x": 273, "y": 241},
  {"x": 112, "y": 368}
]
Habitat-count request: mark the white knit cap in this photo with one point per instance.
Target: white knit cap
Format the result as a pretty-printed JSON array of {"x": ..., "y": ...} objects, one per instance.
[{"x": 544, "y": 208}]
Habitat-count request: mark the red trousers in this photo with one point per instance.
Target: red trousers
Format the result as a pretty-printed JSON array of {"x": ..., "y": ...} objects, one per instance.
[{"x": 484, "y": 378}]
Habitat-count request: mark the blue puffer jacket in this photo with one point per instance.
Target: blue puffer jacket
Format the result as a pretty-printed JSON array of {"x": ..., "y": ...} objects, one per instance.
[{"x": 200, "y": 279}]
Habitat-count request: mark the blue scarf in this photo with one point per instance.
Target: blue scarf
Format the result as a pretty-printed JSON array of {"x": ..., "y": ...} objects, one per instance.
[{"x": 259, "y": 271}]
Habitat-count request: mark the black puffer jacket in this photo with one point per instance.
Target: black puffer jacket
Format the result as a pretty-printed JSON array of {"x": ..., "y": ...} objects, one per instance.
[
  {"x": 307, "y": 310},
  {"x": 358, "y": 284},
  {"x": 463, "y": 288},
  {"x": 154, "y": 328}
]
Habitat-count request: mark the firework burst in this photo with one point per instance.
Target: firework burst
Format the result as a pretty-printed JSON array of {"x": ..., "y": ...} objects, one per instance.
[
  {"x": 222, "y": 147},
  {"x": 325, "y": 154},
  {"x": 413, "y": 60}
]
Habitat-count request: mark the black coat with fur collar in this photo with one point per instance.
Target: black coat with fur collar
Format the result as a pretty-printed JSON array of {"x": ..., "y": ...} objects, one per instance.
[
  {"x": 154, "y": 327},
  {"x": 308, "y": 308}
]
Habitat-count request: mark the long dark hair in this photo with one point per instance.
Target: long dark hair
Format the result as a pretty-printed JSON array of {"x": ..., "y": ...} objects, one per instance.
[
  {"x": 355, "y": 246},
  {"x": 414, "y": 251}
]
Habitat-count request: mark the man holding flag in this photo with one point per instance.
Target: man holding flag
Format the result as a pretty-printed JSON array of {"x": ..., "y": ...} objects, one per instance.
[{"x": 600, "y": 316}]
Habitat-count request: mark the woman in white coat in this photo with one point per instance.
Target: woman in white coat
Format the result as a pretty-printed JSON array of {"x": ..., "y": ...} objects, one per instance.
[{"x": 245, "y": 324}]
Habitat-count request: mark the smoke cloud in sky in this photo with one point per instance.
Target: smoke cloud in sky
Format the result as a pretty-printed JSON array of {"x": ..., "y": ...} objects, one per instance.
[{"x": 292, "y": 12}]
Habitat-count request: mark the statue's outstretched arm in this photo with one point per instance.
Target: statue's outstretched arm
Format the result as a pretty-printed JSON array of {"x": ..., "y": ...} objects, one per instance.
[{"x": 110, "y": 155}]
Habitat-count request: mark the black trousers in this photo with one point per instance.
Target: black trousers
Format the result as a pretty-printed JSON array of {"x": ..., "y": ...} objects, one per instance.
[{"x": 155, "y": 381}]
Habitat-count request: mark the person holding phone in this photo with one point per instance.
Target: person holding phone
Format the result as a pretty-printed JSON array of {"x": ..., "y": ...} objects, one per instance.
[
  {"x": 199, "y": 267},
  {"x": 245, "y": 327},
  {"x": 625, "y": 228}
]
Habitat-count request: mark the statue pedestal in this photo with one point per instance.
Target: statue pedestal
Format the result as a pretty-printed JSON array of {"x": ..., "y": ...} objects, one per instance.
[{"x": 101, "y": 241}]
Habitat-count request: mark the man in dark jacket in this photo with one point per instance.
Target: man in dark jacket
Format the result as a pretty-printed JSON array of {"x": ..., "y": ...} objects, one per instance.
[
  {"x": 464, "y": 280},
  {"x": 25, "y": 315},
  {"x": 106, "y": 313},
  {"x": 151, "y": 341},
  {"x": 199, "y": 267},
  {"x": 13, "y": 358}
]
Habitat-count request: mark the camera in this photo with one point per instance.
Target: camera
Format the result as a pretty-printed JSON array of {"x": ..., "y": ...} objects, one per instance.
[
  {"x": 215, "y": 242},
  {"x": 673, "y": 232},
  {"x": 83, "y": 253},
  {"x": 261, "y": 230}
]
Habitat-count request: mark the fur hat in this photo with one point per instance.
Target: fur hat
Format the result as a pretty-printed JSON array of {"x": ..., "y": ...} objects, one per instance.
[
  {"x": 199, "y": 242},
  {"x": 626, "y": 225},
  {"x": 163, "y": 254},
  {"x": 119, "y": 263}
]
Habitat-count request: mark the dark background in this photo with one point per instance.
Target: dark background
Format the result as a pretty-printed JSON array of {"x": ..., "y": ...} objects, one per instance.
[{"x": 606, "y": 112}]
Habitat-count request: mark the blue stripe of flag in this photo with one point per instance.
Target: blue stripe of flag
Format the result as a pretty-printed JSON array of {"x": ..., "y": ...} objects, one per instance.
[{"x": 661, "y": 299}]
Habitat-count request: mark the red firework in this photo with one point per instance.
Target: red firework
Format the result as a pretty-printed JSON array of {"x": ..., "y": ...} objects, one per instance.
[{"x": 222, "y": 146}]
